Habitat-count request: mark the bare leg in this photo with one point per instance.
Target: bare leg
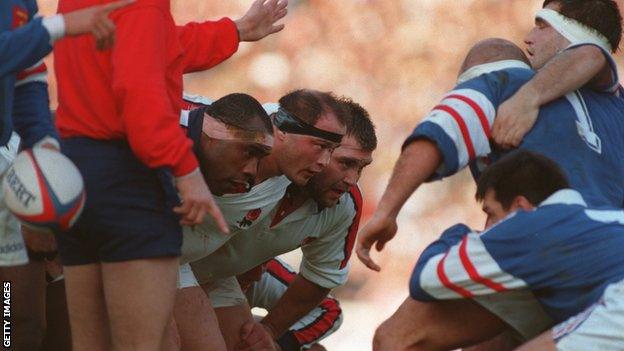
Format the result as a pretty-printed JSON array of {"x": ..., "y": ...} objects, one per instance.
[
  {"x": 231, "y": 320},
  {"x": 441, "y": 325},
  {"x": 171, "y": 339},
  {"x": 139, "y": 297},
  {"x": 27, "y": 304},
  {"x": 197, "y": 323},
  {"x": 87, "y": 308},
  {"x": 543, "y": 342}
]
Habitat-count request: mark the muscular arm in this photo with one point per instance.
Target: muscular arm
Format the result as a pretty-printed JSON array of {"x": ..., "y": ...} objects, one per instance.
[
  {"x": 301, "y": 297},
  {"x": 566, "y": 72},
  {"x": 441, "y": 325},
  {"x": 417, "y": 163}
]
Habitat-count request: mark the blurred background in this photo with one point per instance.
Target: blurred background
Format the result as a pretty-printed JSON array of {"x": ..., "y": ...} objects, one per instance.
[{"x": 396, "y": 58}]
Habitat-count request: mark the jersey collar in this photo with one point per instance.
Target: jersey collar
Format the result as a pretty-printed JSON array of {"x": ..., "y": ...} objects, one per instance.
[{"x": 565, "y": 197}]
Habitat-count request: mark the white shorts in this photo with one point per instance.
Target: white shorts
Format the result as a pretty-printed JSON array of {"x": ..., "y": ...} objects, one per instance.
[
  {"x": 600, "y": 327},
  {"x": 12, "y": 248},
  {"x": 520, "y": 310},
  {"x": 186, "y": 278},
  {"x": 226, "y": 292}
]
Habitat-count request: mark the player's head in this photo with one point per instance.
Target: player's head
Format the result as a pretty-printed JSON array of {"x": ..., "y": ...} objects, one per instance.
[
  {"x": 236, "y": 134},
  {"x": 308, "y": 126},
  {"x": 490, "y": 55},
  {"x": 349, "y": 159},
  {"x": 245, "y": 280},
  {"x": 520, "y": 180},
  {"x": 564, "y": 22}
]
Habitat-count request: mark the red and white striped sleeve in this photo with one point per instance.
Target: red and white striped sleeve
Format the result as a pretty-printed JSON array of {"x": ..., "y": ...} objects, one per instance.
[{"x": 465, "y": 270}]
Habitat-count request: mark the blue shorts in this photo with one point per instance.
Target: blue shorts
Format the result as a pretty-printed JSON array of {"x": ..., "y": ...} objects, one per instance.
[{"x": 128, "y": 213}]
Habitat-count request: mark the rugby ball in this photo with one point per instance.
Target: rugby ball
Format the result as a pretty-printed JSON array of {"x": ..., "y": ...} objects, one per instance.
[{"x": 44, "y": 189}]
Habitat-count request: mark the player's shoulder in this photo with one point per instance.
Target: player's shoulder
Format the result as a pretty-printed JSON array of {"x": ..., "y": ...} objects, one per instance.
[{"x": 348, "y": 209}]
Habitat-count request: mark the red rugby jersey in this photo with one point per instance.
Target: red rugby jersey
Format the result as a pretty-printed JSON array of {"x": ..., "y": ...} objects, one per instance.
[{"x": 134, "y": 90}]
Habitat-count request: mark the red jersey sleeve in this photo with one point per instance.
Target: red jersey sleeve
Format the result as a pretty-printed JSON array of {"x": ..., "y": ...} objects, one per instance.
[
  {"x": 145, "y": 47},
  {"x": 208, "y": 43}
]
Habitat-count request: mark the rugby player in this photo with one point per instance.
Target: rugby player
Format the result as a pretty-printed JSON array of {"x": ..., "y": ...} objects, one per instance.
[
  {"x": 543, "y": 242},
  {"x": 230, "y": 136},
  {"x": 118, "y": 117},
  {"x": 308, "y": 126},
  {"x": 321, "y": 218},
  {"x": 579, "y": 60},
  {"x": 264, "y": 286},
  {"x": 462, "y": 124}
]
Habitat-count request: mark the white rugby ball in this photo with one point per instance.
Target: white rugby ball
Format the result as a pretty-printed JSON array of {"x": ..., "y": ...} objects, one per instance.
[{"x": 44, "y": 189}]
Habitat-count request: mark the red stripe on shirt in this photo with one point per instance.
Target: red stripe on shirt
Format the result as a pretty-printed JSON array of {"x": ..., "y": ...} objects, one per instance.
[
  {"x": 485, "y": 124},
  {"x": 330, "y": 306},
  {"x": 280, "y": 272},
  {"x": 447, "y": 283},
  {"x": 32, "y": 71},
  {"x": 462, "y": 127},
  {"x": 323, "y": 324},
  {"x": 356, "y": 196},
  {"x": 472, "y": 271}
]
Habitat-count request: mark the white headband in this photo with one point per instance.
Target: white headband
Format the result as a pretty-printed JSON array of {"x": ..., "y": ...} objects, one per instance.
[
  {"x": 490, "y": 67},
  {"x": 574, "y": 31}
]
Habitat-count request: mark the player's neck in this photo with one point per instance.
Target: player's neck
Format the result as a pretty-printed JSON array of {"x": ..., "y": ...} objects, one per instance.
[{"x": 267, "y": 168}]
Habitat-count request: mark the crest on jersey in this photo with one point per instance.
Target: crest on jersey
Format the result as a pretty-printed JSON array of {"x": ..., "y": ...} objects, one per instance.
[
  {"x": 249, "y": 218},
  {"x": 307, "y": 241},
  {"x": 20, "y": 17}
]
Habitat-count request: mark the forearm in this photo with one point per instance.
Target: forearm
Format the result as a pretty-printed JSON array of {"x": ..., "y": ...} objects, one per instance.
[
  {"x": 566, "y": 72},
  {"x": 417, "y": 163},
  {"x": 301, "y": 297}
]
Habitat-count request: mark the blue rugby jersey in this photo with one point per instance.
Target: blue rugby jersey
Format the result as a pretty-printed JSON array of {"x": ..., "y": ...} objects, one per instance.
[
  {"x": 583, "y": 132},
  {"x": 564, "y": 252},
  {"x": 24, "y": 101}
]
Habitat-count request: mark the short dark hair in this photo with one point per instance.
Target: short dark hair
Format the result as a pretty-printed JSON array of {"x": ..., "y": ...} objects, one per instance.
[
  {"x": 242, "y": 111},
  {"x": 360, "y": 125},
  {"x": 522, "y": 173},
  {"x": 309, "y": 105},
  {"x": 601, "y": 15}
]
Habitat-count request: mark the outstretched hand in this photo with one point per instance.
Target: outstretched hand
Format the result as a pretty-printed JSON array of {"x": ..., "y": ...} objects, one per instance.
[
  {"x": 94, "y": 20},
  {"x": 378, "y": 231},
  {"x": 260, "y": 19}
]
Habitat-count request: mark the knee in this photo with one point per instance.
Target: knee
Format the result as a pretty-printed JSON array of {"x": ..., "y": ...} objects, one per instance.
[
  {"x": 386, "y": 339},
  {"x": 392, "y": 337}
]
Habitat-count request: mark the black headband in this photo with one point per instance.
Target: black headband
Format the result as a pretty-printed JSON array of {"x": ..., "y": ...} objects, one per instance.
[{"x": 288, "y": 123}]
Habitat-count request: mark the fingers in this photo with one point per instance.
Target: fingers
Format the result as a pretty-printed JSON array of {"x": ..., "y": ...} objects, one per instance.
[
  {"x": 276, "y": 29},
  {"x": 110, "y": 7},
  {"x": 104, "y": 33},
  {"x": 363, "y": 254},
  {"x": 216, "y": 214}
]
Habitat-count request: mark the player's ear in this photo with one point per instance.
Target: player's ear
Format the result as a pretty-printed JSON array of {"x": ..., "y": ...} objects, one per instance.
[
  {"x": 521, "y": 203},
  {"x": 278, "y": 134}
]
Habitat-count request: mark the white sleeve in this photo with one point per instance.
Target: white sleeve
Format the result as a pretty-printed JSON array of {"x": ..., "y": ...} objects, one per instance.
[{"x": 326, "y": 260}]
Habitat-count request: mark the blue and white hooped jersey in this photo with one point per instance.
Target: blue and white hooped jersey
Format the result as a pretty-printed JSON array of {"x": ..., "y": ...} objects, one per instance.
[
  {"x": 24, "y": 105},
  {"x": 564, "y": 252},
  {"x": 583, "y": 132}
]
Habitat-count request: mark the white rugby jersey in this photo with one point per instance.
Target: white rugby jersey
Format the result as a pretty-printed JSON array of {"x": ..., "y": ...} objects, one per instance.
[
  {"x": 326, "y": 237},
  {"x": 241, "y": 212}
]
